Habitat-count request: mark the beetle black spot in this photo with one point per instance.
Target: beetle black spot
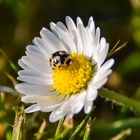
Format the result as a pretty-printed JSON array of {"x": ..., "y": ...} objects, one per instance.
[
  {"x": 68, "y": 61},
  {"x": 63, "y": 59}
]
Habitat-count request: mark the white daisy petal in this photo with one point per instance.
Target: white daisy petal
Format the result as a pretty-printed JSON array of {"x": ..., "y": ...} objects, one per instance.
[
  {"x": 51, "y": 40},
  {"x": 71, "y": 27},
  {"x": 100, "y": 76},
  {"x": 97, "y": 36},
  {"x": 37, "y": 55},
  {"x": 77, "y": 107},
  {"x": 103, "y": 54},
  {"x": 79, "y": 21},
  {"x": 50, "y": 100},
  {"x": 35, "y": 50},
  {"x": 46, "y": 104},
  {"x": 36, "y": 80},
  {"x": 91, "y": 93},
  {"x": 79, "y": 36},
  {"x": 77, "y": 104},
  {"x": 23, "y": 65},
  {"x": 57, "y": 115},
  {"x": 32, "y": 108},
  {"x": 62, "y": 27},
  {"x": 65, "y": 38},
  {"x": 28, "y": 99},
  {"x": 92, "y": 37},
  {"x": 54, "y": 27},
  {"x": 51, "y": 103},
  {"x": 33, "y": 89},
  {"x": 100, "y": 83},
  {"x": 51, "y": 107},
  {"x": 34, "y": 77},
  {"x": 38, "y": 59},
  {"x": 87, "y": 48},
  {"x": 74, "y": 33},
  {"x": 36, "y": 64},
  {"x": 91, "y": 25},
  {"x": 74, "y": 104},
  {"x": 88, "y": 107},
  {"x": 45, "y": 46},
  {"x": 108, "y": 64},
  {"x": 102, "y": 44},
  {"x": 30, "y": 72}
]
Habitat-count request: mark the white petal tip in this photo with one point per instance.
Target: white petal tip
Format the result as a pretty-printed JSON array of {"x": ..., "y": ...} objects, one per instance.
[
  {"x": 88, "y": 107},
  {"x": 79, "y": 21},
  {"x": 67, "y": 17},
  {"x": 42, "y": 31},
  {"x": 52, "y": 24},
  {"x": 17, "y": 87},
  {"x": 32, "y": 108},
  {"x": 91, "y": 18},
  {"x": 53, "y": 118},
  {"x": 111, "y": 62},
  {"x": 43, "y": 28},
  {"x": 98, "y": 31},
  {"x": 57, "y": 115},
  {"x": 28, "y": 99}
]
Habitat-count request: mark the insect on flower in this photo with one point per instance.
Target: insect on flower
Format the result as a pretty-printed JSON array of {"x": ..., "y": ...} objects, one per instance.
[{"x": 59, "y": 59}]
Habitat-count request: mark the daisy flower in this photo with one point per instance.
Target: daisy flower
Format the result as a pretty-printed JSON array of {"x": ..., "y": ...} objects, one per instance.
[{"x": 64, "y": 68}]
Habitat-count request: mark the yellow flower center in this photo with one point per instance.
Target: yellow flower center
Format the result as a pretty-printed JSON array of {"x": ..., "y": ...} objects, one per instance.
[{"x": 73, "y": 78}]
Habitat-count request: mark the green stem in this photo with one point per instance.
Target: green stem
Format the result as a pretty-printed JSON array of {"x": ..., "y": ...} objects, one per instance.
[
  {"x": 80, "y": 126},
  {"x": 116, "y": 126},
  {"x": 87, "y": 131},
  {"x": 17, "y": 133},
  {"x": 120, "y": 99},
  {"x": 40, "y": 133},
  {"x": 122, "y": 135},
  {"x": 64, "y": 134},
  {"x": 87, "y": 134},
  {"x": 59, "y": 129}
]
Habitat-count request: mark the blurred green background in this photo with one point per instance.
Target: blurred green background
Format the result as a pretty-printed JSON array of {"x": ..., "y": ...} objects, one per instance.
[{"x": 22, "y": 20}]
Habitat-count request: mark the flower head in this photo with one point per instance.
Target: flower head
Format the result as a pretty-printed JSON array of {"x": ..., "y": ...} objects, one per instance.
[{"x": 64, "y": 69}]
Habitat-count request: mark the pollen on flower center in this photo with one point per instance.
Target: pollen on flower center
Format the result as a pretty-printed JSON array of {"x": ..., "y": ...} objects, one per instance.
[{"x": 73, "y": 78}]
